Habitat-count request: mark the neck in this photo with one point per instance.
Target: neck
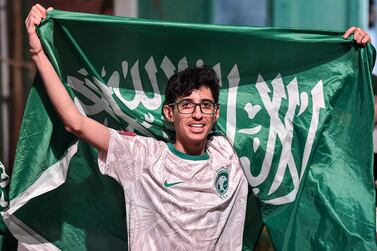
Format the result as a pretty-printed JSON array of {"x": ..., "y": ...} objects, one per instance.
[{"x": 192, "y": 148}]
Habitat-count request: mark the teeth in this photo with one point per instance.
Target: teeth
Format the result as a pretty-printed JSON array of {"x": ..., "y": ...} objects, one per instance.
[{"x": 196, "y": 125}]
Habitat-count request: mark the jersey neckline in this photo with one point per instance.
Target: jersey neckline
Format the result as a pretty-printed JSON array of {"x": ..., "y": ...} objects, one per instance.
[{"x": 182, "y": 155}]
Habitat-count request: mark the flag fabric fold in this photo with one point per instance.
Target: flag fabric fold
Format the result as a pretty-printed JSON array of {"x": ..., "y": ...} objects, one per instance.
[{"x": 296, "y": 104}]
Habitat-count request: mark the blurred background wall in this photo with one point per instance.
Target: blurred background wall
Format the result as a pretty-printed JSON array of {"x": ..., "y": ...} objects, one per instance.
[{"x": 17, "y": 71}]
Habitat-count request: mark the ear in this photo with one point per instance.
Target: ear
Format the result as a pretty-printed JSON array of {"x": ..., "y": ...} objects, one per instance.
[
  {"x": 168, "y": 112},
  {"x": 217, "y": 114}
]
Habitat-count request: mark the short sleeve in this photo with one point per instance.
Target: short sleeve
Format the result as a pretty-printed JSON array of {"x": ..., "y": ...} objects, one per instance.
[{"x": 126, "y": 157}]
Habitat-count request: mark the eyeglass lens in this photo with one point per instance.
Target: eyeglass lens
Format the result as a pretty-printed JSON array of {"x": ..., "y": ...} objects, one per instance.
[{"x": 188, "y": 107}]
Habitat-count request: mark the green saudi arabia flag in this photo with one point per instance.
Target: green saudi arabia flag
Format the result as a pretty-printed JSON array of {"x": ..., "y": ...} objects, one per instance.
[{"x": 296, "y": 104}]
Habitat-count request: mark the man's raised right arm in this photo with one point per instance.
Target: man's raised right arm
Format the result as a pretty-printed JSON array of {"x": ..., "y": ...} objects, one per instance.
[{"x": 85, "y": 128}]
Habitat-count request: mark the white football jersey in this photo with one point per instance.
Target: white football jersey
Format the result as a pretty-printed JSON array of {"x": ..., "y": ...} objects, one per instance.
[{"x": 176, "y": 201}]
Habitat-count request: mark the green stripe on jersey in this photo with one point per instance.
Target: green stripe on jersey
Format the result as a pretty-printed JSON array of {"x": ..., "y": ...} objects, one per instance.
[{"x": 182, "y": 155}]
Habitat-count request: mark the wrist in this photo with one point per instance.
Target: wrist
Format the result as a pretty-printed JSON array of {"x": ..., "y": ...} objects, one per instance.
[{"x": 37, "y": 56}]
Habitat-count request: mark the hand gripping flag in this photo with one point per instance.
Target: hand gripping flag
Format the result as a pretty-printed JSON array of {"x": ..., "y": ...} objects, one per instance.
[{"x": 296, "y": 104}]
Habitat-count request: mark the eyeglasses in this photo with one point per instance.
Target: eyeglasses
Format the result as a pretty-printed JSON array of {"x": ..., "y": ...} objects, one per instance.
[{"x": 188, "y": 107}]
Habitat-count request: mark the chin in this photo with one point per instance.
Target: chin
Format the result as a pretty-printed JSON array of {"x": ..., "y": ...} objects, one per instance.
[
  {"x": 197, "y": 138},
  {"x": 193, "y": 137}
]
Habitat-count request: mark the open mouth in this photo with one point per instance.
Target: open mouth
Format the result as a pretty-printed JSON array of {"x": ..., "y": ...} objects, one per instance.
[{"x": 196, "y": 125}]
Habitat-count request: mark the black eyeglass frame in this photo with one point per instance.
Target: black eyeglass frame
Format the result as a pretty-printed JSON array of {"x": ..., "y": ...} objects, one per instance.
[{"x": 216, "y": 107}]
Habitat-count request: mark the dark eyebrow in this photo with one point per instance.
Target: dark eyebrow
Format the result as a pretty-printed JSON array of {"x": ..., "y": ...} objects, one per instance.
[
  {"x": 208, "y": 100},
  {"x": 185, "y": 99},
  {"x": 191, "y": 100}
]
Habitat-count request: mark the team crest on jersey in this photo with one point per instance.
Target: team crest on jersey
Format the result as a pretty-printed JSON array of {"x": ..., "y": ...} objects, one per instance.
[{"x": 222, "y": 182}]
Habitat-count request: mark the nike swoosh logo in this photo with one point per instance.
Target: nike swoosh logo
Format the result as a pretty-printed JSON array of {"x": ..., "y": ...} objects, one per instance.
[{"x": 166, "y": 184}]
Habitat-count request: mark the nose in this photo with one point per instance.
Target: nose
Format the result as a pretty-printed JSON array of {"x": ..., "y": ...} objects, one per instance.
[{"x": 197, "y": 114}]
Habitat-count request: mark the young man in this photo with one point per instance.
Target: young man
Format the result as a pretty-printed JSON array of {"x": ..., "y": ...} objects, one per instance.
[
  {"x": 187, "y": 196},
  {"x": 190, "y": 195}
]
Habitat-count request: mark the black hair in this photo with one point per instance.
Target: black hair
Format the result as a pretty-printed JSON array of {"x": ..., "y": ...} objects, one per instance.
[{"x": 184, "y": 82}]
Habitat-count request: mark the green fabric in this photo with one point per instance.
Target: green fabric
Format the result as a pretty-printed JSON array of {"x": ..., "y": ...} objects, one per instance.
[
  {"x": 296, "y": 104},
  {"x": 4, "y": 200},
  {"x": 7, "y": 241}
]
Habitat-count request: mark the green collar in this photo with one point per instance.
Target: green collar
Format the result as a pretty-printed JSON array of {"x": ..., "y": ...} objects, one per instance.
[{"x": 182, "y": 155}]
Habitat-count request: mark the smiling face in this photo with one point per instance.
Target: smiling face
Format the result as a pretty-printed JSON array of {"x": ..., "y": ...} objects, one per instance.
[{"x": 192, "y": 129}]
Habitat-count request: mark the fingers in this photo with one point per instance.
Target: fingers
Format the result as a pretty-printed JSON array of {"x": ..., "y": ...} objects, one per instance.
[
  {"x": 366, "y": 40},
  {"x": 360, "y": 36},
  {"x": 356, "y": 35},
  {"x": 41, "y": 10},
  {"x": 349, "y": 32},
  {"x": 36, "y": 14}
]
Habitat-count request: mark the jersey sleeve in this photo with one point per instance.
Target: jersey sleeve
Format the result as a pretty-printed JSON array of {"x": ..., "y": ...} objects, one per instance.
[{"x": 127, "y": 156}]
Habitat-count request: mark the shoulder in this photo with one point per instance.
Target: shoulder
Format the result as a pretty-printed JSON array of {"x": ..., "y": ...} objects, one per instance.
[
  {"x": 219, "y": 142},
  {"x": 124, "y": 133},
  {"x": 220, "y": 146},
  {"x": 127, "y": 135},
  {"x": 131, "y": 140}
]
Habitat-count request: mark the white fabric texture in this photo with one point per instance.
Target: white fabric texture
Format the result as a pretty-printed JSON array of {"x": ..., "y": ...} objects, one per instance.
[{"x": 176, "y": 201}]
